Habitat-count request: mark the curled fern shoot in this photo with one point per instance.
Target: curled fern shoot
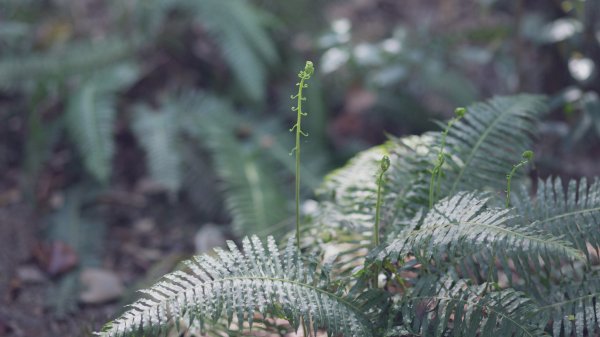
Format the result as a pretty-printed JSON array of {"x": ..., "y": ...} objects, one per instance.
[
  {"x": 527, "y": 158},
  {"x": 385, "y": 165},
  {"x": 436, "y": 172},
  {"x": 304, "y": 75}
]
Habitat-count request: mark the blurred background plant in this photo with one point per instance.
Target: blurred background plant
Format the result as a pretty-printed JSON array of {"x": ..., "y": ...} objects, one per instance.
[{"x": 137, "y": 132}]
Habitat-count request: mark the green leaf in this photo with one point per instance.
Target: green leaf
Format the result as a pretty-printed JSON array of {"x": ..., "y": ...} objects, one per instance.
[{"x": 89, "y": 118}]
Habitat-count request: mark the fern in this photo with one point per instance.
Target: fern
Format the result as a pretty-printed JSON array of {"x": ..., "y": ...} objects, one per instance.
[
  {"x": 159, "y": 137},
  {"x": 568, "y": 298},
  {"x": 72, "y": 59},
  {"x": 236, "y": 285},
  {"x": 448, "y": 307},
  {"x": 485, "y": 142},
  {"x": 572, "y": 307},
  {"x": 89, "y": 118},
  {"x": 248, "y": 179},
  {"x": 463, "y": 225},
  {"x": 573, "y": 213}
]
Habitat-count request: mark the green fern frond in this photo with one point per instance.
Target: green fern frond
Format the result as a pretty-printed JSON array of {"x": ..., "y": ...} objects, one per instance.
[
  {"x": 249, "y": 181},
  {"x": 464, "y": 225},
  {"x": 261, "y": 280},
  {"x": 90, "y": 117},
  {"x": 573, "y": 213},
  {"x": 71, "y": 59},
  {"x": 158, "y": 135},
  {"x": 447, "y": 307},
  {"x": 572, "y": 308},
  {"x": 485, "y": 143}
]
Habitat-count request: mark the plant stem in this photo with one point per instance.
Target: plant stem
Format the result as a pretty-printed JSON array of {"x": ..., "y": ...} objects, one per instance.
[
  {"x": 385, "y": 165},
  {"x": 436, "y": 172},
  {"x": 527, "y": 157},
  {"x": 298, "y": 125},
  {"x": 303, "y": 75}
]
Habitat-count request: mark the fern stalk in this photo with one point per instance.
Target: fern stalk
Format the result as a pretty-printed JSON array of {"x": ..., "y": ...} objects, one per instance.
[
  {"x": 527, "y": 157},
  {"x": 436, "y": 172},
  {"x": 385, "y": 165},
  {"x": 304, "y": 75}
]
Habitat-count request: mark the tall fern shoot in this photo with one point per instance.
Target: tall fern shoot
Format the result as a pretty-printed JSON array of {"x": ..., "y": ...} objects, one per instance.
[
  {"x": 304, "y": 75},
  {"x": 436, "y": 172},
  {"x": 527, "y": 158},
  {"x": 385, "y": 165}
]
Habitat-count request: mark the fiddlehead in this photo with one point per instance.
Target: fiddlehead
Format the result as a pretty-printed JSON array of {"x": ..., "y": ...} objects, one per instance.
[
  {"x": 527, "y": 158},
  {"x": 304, "y": 75},
  {"x": 436, "y": 172}
]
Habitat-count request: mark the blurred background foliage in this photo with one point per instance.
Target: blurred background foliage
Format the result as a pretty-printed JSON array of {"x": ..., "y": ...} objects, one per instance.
[{"x": 136, "y": 132}]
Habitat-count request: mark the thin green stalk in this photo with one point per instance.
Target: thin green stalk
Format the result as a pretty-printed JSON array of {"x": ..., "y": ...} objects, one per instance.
[
  {"x": 527, "y": 158},
  {"x": 436, "y": 172},
  {"x": 303, "y": 75},
  {"x": 385, "y": 165}
]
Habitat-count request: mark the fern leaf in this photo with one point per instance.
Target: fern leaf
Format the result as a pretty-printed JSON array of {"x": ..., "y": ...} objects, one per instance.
[
  {"x": 158, "y": 134},
  {"x": 573, "y": 213},
  {"x": 457, "y": 308},
  {"x": 74, "y": 58},
  {"x": 236, "y": 285},
  {"x": 463, "y": 225},
  {"x": 488, "y": 140},
  {"x": 89, "y": 119},
  {"x": 249, "y": 181},
  {"x": 572, "y": 308}
]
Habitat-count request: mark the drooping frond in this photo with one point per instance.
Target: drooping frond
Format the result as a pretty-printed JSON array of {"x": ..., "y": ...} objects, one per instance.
[
  {"x": 238, "y": 29},
  {"x": 464, "y": 225},
  {"x": 235, "y": 285},
  {"x": 89, "y": 118},
  {"x": 73, "y": 58},
  {"x": 573, "y": 213},
  {"x": 456, "y": 308},
  {"x": 249, "y": 181},
  {"x": 484, "y": 145},
  {"x": 158, "y": 135},
  {"x": 572, "y": 307}
]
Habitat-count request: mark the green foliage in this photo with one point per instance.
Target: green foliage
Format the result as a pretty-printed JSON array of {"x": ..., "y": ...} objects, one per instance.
[
  {"x": 261, "y": 280},
  {"x": 252, "y": 194},
  {"x": 303, "y": 75},
  {"x": 158, "y": 135},
  {"x": 474, "y": 267}
]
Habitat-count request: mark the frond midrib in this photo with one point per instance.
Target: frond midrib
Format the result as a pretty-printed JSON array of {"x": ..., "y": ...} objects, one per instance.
[
  {"x": 550, "y": 306},
  {"x": 466, "y": 302},
  {"x": 568, "y": 214}
]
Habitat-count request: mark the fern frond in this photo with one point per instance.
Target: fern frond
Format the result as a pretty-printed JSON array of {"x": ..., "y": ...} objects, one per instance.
[
  {"x": 237, "y": 285},
  {"x": 464, "y": 225},
  {"x": 74, "y": 58},
  {"x": 158, "y": 134},
  {"x": 485, "y": 143},
  {"x": 249, "y": 181},
  {"x": 572, "y": 308},
  {"x": 89, "y": 119},
  {"x": 447, "y": 307},
  {"x": 573, "y": 213}
]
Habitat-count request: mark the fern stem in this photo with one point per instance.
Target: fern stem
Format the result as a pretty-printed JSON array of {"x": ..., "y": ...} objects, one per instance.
[
  {"x": 527, "y": 157},
  {"x": 436, "y": 172},
  {"x": 385, "y": 165},
  {"x": 303, "y": 75}
]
